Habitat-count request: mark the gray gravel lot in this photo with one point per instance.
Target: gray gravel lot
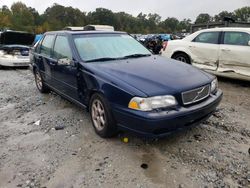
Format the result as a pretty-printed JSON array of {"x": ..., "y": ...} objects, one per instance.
[{"x": 34, "y": 154}]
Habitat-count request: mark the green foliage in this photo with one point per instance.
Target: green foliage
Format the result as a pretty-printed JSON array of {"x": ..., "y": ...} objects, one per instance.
[
  {"x": 243, "y": 14},
  {"x": 22, "y": 18},
  {"x": 203, "y": 18},
  {"x": 223, "y": 14},
  {"x": 56, "y": 17},
  {"x": 5, "y": 17}
]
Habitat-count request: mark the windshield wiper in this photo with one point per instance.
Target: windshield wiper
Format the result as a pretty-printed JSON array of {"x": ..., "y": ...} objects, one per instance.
[
  {"x": 136, "y": 55},
  {"x": 102, "y": 59},
  {"x": 113, "y": 58}
]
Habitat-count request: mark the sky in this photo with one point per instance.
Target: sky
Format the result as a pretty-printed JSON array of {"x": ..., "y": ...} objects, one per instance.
[{"x": 165, "y": 8}]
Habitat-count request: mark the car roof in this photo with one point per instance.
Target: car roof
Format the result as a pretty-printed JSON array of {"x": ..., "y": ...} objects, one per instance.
[
  {"x": 227, "y": 29},
  {"x": 84, "y": 32}
]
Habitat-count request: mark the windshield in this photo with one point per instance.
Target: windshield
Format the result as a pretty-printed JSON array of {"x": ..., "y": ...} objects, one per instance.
[{"x": 92, "y": 47}]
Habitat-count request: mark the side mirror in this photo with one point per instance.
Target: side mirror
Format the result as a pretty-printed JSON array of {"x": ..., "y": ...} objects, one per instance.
[
  {"x": 65, "y": 61},
  {"x": 249, "y": 43}
]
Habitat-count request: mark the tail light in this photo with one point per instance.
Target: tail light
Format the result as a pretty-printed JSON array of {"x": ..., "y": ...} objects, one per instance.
[{"x": 165, "y": 44}]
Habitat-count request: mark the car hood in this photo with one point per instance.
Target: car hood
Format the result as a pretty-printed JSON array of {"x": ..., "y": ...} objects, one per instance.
[{"x": 155, "y": 75}]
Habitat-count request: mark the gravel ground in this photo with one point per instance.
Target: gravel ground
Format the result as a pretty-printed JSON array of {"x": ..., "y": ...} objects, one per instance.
[{"x": 34, "y": 154}]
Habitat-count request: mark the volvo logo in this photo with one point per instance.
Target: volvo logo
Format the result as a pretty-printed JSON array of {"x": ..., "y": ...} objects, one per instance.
[{"x": 198, "y": 93}]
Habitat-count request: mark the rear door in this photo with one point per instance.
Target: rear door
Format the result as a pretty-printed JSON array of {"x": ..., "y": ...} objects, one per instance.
[
  {"x": 43, "y": 58},
  {"x": 65, "y": 68},
  {"x": 235, "y": 53},
  {"x": 205, "y": 50}
]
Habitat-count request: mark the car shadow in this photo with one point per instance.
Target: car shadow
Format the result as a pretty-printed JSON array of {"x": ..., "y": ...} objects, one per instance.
[
  {"x": 235, "y": 82},
  {"x": 13, "y": 68}
]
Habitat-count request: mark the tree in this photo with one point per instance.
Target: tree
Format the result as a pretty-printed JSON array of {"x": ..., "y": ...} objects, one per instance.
[
  {"x": 56, "y": 17},
  {"x": 243, "y": 14},
  {"x": 184, "y": 25},
  {"x": 5, "y": 17},
  {"x": 220, "y": 17},
  {"x": 203, "y": 18},
  {"x": 22, "y": 18},
  {"x": 170, "y": 25},
  {"x": 102, "y": 16},
  {"x": 154, "y": 18}
]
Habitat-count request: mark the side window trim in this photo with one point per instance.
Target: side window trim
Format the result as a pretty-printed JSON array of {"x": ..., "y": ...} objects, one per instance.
[
  {"x": 52, "y": 47},
  {"x": 37, "y": 49}
]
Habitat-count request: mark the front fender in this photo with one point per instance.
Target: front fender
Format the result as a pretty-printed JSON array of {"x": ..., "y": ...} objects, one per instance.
[{"x": 111, "y": 89}]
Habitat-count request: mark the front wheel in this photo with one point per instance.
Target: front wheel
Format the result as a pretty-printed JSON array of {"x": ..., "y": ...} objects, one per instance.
[
  {"x": 101, "y": 117},
  {"x": 182, "y": 57},
  {"x": 39, "y": 82}
]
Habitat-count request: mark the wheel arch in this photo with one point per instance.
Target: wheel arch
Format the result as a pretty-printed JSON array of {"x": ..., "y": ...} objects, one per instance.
[{"x": 182, "y": 52}]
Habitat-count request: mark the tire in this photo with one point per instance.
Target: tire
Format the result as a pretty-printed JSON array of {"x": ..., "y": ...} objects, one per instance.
[
  {"x": 40, "y": 83},
  {"x": 101, "y": 116},
  {"x": 182, "y": 57}
]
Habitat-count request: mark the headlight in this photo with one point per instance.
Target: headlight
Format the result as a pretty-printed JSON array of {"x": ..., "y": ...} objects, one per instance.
[
  {"x": 214, "y": 85},
  {"x": 148, "y": 104}
]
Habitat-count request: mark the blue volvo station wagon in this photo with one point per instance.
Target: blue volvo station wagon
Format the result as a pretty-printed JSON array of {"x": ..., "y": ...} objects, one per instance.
[{"x": 124, "y": 86}]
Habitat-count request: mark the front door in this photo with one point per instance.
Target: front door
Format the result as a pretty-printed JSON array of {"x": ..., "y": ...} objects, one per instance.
[
  {"x": 43, "y": 58},
  {"x": 65, "y": 70}
]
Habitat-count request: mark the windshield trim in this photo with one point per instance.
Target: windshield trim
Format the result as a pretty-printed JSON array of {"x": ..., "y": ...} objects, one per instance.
[{"x": 82, "y": 35}]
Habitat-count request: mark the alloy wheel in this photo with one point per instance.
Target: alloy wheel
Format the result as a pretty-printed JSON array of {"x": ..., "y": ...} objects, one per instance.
[
  {"x": 98, "y": 115},
  {"x": 181, "y": 58},
  {"x": 39, "y": 82}
]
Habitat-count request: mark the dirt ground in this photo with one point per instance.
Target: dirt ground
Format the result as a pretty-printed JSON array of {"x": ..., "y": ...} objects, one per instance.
[{"x": 35, "y": 154}]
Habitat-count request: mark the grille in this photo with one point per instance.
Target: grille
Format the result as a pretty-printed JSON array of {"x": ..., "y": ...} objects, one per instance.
[{"x": 195, "y": 95}]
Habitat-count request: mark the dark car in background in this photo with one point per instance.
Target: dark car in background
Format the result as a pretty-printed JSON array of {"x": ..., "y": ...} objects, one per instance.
[
  {"x": 14, "y": 48},
  {"x": 122, "y": 84}
]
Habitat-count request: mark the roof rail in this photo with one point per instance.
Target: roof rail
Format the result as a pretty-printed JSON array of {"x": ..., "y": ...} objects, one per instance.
[
  {"x": 70, "y": 28},
  {"x": 99, "y": 28}
]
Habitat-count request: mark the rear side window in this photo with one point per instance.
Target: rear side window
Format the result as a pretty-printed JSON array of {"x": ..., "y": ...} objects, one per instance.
[
  {"x": 47, "y": 44},
  {"x": 62, "y": 49},
  {"x": 236, "y": 38},
  {"x": 208, "y": 37}
]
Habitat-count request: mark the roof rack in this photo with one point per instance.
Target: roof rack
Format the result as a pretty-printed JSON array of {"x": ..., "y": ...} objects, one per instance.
[
  {"x": 69, "y": 28},
  {"x": 98, "y": 28},
  {"x": 90, "y": 28}
]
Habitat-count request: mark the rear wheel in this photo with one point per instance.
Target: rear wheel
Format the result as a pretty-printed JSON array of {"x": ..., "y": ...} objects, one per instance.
[
  {"x": 101, "y": 116},
  {"x": 39, "y": 82},
  {"x": 182, "y": 57}
]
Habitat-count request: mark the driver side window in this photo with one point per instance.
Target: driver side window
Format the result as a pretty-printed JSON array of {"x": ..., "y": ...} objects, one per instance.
[{"x": 62, "y": 48}]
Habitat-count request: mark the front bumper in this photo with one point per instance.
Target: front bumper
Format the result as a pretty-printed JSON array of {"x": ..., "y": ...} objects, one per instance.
[{"x": 159, "y": 124}]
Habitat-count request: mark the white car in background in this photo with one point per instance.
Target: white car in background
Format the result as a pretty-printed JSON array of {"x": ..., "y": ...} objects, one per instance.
[
  {"x": 14, "y": 48},
  {"x": 221, "y": 51}
]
